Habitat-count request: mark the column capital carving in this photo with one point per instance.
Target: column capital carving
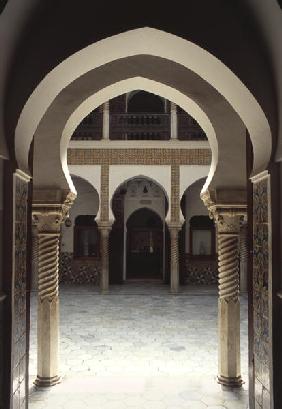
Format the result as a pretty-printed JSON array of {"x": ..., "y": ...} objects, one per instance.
[
  {"x": 104, "y": 225},
  {"x": 174, "y": 226},
  {"x": 228, "y": 216},
  {"x": 48, "y": 217}
]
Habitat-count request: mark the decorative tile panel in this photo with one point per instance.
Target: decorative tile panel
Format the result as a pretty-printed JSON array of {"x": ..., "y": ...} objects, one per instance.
[
  {"x": 19, "y": 335},
  {"x": 79, "y": 271},
  {"x": 175, "y": 199},
  {"x": 200, "y": 272},
  {"x": 104, "y": 216},
  {"x": 139, "y": 156},
  {"x": 261, "y": 291}
]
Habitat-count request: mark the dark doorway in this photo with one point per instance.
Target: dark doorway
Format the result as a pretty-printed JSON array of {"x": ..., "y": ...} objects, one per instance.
[{"x": 144, "y": 245}]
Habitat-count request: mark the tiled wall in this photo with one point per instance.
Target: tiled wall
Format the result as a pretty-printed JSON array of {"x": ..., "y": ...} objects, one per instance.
[
  {"x": 262, "y": 294},
  {"x": 78, "y": 271},
  {"x": 200, "y": 272},
  {"x": 19, "y": 335},
  {"x": 139, "y": 156}
]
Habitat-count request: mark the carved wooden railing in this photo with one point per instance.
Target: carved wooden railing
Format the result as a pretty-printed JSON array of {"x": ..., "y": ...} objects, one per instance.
[
  {"x": 140, "y": 126},
  {"x": 91, "y": 128},
  {"x": 188, "y": 129}
]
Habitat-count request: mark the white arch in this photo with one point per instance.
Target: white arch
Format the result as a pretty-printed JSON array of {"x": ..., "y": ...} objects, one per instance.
[
  {"x": 143, "y": 207},
  {"x": 114, "y": 187},
  {"x": 129, "y": 85},
  {"x": 146, "y": 41}
]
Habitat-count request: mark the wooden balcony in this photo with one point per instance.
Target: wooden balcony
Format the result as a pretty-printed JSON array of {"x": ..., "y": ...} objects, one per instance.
[{"x": 141, "y": 126}]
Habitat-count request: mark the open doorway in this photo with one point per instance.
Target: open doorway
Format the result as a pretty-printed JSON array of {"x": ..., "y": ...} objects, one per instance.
[{"x": 145, "y": 245}]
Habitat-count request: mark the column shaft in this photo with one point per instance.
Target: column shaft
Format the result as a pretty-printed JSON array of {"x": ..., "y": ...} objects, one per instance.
[
  {"x": 228, "y": 218},
  {"x": 243, "y": 259},
  {"x": 229, "y": 371},
  {"x": 34, "y": 266},
  {"x": 105, "y": 228},
  {"x": 48, "y": 219},
  {"x": 106, "y": 120},
  {"x": 48, "y": 310},
  {"x": 173, "y": 121},
  {"x": 174, "y": 257}
]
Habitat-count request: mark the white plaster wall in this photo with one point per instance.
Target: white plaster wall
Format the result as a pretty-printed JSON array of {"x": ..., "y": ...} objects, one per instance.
[
  {"x": 193, "y": 207},
  {"x": 86, "y": 203},
  {"x": 91, "y": 173},
  {"x": 122, "y": 173},
  {"x": 190, "y": 173},
  {"x": 153, "y": 201}
]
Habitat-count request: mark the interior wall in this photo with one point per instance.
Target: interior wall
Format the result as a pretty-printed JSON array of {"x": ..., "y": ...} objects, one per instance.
[{"x": 86, "y": 203}]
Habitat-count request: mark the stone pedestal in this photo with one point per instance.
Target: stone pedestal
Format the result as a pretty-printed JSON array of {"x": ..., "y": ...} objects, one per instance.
[
  {"x": 105, "y": 229},
  {"x": 174, "y": 256},
  {"x": 48, "y": 219}
]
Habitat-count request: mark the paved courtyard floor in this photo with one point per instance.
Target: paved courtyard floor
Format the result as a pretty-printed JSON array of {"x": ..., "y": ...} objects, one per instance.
[{"x": 138, "y": 347}]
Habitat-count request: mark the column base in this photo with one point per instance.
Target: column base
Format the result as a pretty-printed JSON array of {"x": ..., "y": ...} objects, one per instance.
[
  {"x": 174, "y": 291},
  {"x": 45, "y": 382},
  {"x": 230, "y": 382},
  {"x": 104, "y": 291}
]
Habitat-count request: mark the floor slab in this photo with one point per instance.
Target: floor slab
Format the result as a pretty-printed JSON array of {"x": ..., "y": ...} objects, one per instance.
[{"x": 138, "y": 347}]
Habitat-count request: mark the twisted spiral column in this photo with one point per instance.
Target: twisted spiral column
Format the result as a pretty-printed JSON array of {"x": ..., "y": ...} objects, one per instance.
[
  {"x": 243, "y": 258},
  {"x": 174, "y": 257},
  {"x": 48, "y": 310},
  {"x": 105, "y": 229},
  {"x": 48, "y": 217},
  {"x": 48, "y": 262},
  {"x": 228, "y": 301},
  {"x": 228, "y": 268},
  {"x": 34, "y": 260}
]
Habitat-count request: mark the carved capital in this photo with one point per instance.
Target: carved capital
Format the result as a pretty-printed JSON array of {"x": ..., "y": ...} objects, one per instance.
[
  {"x": 174, "y": 228},
  {"x": 228, "y": 217},
  {"x": 48, "y": 217},
  {"x": 228, "y": 223},
  {"x": 105, "y": 226}
]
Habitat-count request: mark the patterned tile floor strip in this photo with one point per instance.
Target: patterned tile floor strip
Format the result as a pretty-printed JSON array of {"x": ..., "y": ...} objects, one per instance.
[{"x": 138, "y": 347}]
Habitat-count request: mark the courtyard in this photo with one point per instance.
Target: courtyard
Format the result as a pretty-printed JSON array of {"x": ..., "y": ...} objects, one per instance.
[{"x": 138, "y": 347}]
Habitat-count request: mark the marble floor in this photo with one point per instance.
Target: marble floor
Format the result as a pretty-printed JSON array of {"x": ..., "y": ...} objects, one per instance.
[{"x": 138, "y": 347}]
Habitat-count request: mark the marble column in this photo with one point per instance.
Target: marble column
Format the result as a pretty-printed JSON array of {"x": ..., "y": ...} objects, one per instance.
[
  {"x": 174, "y": 229},
  {"x": 228, "y": 218},
  {"x": 173, "y": 121},
  {"x": 106, "y": 120},
  {"x": 105, "y": 229},
  {"x": 48, "y": 219},
  {"x": 228, "y": 228}
]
